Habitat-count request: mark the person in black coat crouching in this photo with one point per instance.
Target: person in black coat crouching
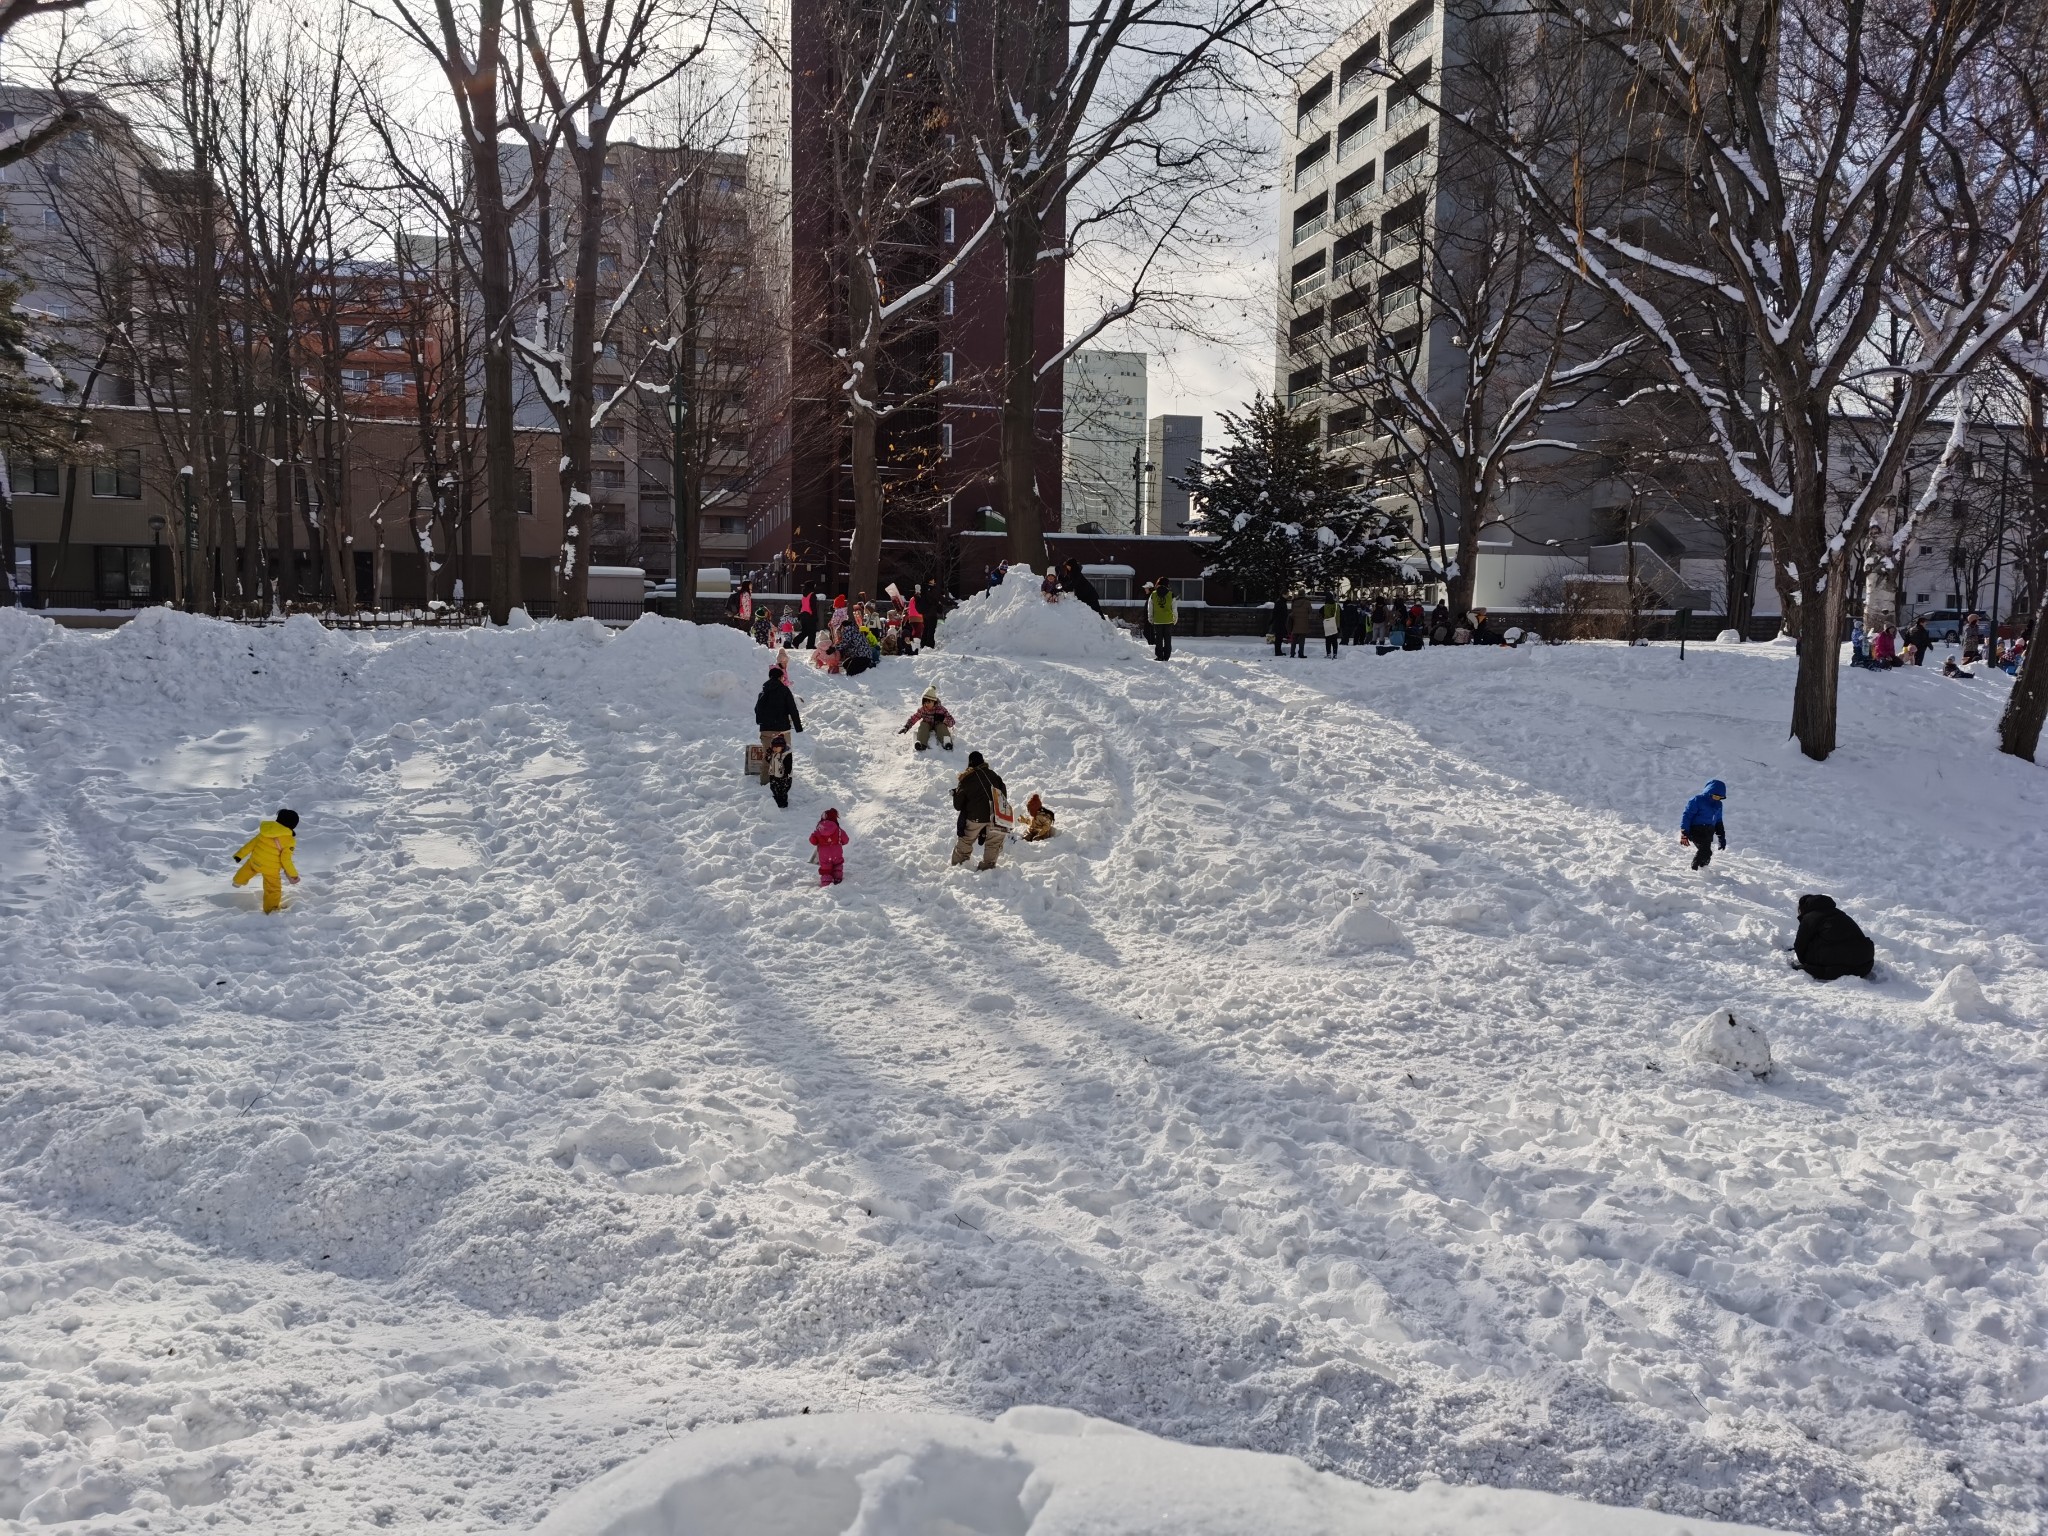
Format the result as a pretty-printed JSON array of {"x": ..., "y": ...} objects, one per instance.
[{"x": 1829, "y": 943}]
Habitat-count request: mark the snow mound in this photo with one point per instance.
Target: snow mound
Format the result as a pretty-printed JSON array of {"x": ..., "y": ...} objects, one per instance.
[
  {"x": 1961, "y": 996},
  {"x": 1363, "y": 926},
  {"x": 1015, "y": 621},
  {"x": 1033, "y": 1472},
  {"x": 1726, "y": 1041},
  {"x": 1729, "y": 637}
]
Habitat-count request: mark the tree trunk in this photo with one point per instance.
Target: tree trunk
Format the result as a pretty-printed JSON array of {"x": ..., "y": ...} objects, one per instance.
[
  {"x": 1022, "y": 513},
  {"x": 864, "y": 561},
  {"x": 1816, "y": 688},
  {"x": 2019, "y": 729},
  {"x": 7, "y": 597},
  {"x": 494, "y": 293},
  {"x": 1462, "y": 585},
  {"x": 579, "y": 525}
]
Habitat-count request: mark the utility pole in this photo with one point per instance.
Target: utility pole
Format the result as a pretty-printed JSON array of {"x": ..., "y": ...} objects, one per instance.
[{"x": 1139, "y": 470}]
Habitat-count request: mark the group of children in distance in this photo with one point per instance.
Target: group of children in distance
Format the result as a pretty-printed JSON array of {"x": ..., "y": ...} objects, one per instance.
[{"x": 934, "y": 721}]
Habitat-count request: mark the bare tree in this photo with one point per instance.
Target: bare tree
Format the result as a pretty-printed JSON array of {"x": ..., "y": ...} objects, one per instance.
[
  {"x": 1048, "y": 98},
  {"x": 592, "y": 63},
  {"x": 468, "y": 44},
  {"x": 1814, "y": 141}
]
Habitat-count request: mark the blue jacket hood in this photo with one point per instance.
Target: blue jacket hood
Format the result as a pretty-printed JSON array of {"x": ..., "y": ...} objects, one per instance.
[{"x": 1717, "y": 789}]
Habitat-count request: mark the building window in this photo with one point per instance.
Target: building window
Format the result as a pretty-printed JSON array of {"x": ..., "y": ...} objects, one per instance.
[
  {"x": 52, "y": 219},
  {"x": 611, "y": 435},
  {"x": 947, "y": 229},
  {"x": 730, "y": 526},
  {"x": 945, "y": 440},
  {"x": 352, "y": 336},
  {"x": 946, "y": 298},
  {"x": 1920, "y": 597},
  {"x": 608, "y": 477},
  {"x": 394, "y": 341},
  {"x": 394, "y": 383},
  {"x": 524, "y": 493},
  {"x": 123, "y": 573},
  {"x": 1186, "y": 589},
  {"x": 945, "y": 367},
  {"x": 355, "y": 381},
  {"x": 42, "y": 477},
  {"x": 122, "y": 478}
]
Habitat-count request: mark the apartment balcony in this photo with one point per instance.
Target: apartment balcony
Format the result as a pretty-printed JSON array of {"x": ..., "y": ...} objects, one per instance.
[
  {"x": 1353, "y": 203},
  {"x": 1405, "y": 114},
  {"x": 1409, "y": 176},
  {"x": 1401, "y": 306},
  {"x": 1311, "y": 227},
  {"x": 1308, "y": 287}
]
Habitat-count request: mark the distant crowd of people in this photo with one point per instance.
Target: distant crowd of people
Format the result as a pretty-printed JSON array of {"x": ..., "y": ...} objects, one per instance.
[
  {"x": 1385, "y": 621},
  {"x": 1885, "y": 646},
  {"x": 841, "y": 635}
]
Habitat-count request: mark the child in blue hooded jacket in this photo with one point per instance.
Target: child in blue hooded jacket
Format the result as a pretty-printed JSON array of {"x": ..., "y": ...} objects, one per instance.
[{"x": 1701, "y": 823}]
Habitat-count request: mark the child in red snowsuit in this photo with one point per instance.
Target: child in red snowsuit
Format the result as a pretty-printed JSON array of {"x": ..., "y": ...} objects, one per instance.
[{"x": 830, "y": 841}]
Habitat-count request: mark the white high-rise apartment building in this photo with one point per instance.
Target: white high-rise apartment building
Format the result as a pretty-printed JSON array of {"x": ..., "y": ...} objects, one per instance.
[
  {"x": 1359, "y": 199},
  {"x": 1104, "y": 470}
]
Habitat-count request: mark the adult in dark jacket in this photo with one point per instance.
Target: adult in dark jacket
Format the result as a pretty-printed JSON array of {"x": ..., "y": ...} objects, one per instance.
[
  {"x": 1701, "y": 823},
  {"x": 1919, "y": 639},
  {"x": 1440, "y": 625},
  {"x": 775, "y": 716},
  {"x": 1076, "y": 581},
  {"x": 1300, "y": 618},
  {"x": 1830, "y": 944},
  {"x": 974, "y": 797}
]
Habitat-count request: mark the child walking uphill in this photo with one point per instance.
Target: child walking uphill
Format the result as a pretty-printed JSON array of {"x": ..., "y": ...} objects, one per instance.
[
  {"x": 1701, "y": 823},
  {"x": 830, "y": 841},
  {"x": 269, "y": 854}
]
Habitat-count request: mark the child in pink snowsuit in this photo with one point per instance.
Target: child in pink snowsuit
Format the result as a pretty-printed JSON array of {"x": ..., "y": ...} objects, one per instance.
[{"x": 830, "y": 841}]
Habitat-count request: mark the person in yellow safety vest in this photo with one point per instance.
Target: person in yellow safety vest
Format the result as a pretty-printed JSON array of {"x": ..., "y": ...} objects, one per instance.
[
  {"x": 1162, "y": 615},
  {"x": 269, "y": 854}
]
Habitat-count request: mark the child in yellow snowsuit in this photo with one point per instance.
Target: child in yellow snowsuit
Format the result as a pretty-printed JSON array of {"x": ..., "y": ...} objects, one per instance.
[{"x": 269, "y": 853}]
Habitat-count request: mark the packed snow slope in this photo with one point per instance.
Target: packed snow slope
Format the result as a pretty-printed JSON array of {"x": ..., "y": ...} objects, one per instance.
[{"x": 561, "y": 1113}]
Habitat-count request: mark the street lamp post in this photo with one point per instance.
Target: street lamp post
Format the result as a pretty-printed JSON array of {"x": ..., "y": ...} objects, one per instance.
[
  {"x": 686, "y": 541},
  {"x": 1998, "y": 538},
  {"x": 191, "y": 540}
]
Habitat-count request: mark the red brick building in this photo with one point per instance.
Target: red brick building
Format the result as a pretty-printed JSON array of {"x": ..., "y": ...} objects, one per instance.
[{"x": 939, "y": 457}]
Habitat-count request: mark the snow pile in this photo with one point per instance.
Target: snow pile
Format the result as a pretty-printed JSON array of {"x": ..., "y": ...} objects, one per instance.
[
  {"x": 1722, "y": 1040},
  {"x": 561, "y": 1116},
  {"x": 1014, "y": 621},
  {"x": 1363, "y": 926},
  {"x": 1961, "y": 996},
  {"x": 1729, "y": 637},
  {"x": 1034, "y": 1472}
]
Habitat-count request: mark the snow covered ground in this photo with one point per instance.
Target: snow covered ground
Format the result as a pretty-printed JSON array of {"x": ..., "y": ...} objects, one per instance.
[{"x": 561, "y": 1114}]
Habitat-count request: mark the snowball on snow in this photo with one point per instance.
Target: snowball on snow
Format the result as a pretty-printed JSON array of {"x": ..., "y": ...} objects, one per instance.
[
  {"x": 1729, "y": 637},
  {"x": 1363, "y": 926},
  {"x": 1033, "y": 1472},
  {"x": 1726, "y": 1041},
  {"x": 1015, "y": 621},
  {"x": 1962, "y": 996}
]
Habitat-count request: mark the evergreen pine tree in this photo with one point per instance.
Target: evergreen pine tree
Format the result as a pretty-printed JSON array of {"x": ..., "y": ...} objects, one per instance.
[{"x": 1286, "y": 517}]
